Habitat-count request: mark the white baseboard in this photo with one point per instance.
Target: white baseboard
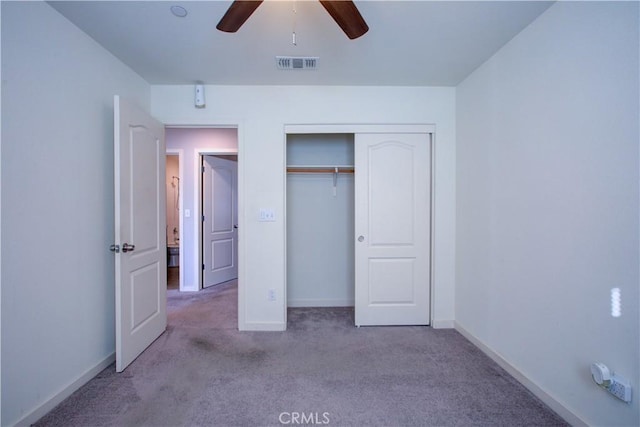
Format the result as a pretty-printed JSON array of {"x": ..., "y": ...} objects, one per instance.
[
  {"x": 541, "y": 394},
  {"x": 313, "y": 302},
  {"x": 443, "y": 324},
  {"x": 58, "y": 397},
  {"x": 263, "y": 326}
]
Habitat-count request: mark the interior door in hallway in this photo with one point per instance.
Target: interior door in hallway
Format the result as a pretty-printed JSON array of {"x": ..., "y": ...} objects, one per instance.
[
  {"x": 220, "y": 219},
  {"x": 140, "y": 222},
  {"x": 392, "y": 224}
]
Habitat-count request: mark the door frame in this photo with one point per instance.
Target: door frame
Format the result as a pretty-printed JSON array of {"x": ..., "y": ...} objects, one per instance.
[
  {"x": 180, "y": 153},
  {"x": 368, "y": 128},
  {"x": 199, "y": 158}
]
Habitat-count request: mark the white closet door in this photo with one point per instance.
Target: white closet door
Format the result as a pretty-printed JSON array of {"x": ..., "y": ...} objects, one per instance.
[{"x": 392, "y": 224}]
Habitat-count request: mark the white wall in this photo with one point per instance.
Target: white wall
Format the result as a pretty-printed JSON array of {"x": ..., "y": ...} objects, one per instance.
[
  {"x": 261, "y": 113},
  {"x": 547, "y": 204},
  {"x": 58, "y": 201},
  {"x": 191, "y": 143}
]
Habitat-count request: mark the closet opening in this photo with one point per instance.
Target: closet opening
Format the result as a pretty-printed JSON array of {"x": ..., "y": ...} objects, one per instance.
[
  {"x": 358, "y": 223},
  {"x": 320, "y": 220}
]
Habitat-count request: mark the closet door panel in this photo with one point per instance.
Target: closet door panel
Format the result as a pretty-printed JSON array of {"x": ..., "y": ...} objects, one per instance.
[
  {"x": 392, "y": 213},
  {"x": 391, "y": 220}
]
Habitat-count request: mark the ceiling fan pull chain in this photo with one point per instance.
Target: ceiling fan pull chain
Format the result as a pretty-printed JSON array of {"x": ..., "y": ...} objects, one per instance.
[{"x": 293, "y": 30}]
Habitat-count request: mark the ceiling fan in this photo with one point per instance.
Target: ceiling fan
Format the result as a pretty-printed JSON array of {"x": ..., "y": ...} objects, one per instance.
[{"x": 344, "y": 12}]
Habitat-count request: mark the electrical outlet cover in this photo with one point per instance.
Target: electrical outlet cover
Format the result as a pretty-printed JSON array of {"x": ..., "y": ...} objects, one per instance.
[{"x": 620, "y": 388}]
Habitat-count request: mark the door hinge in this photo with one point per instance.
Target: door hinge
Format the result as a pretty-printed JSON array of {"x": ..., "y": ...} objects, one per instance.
[
  {"x": 202, "y": 168},
  {"x": 202, "y": 218},
  {"x": 202, "y": 267}
]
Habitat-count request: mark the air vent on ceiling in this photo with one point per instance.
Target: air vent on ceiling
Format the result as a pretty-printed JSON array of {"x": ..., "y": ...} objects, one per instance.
[{"x": 297, "y": 62}]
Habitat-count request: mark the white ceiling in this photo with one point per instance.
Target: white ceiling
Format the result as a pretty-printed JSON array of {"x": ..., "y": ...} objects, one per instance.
[{"x": 410, "y": 43}]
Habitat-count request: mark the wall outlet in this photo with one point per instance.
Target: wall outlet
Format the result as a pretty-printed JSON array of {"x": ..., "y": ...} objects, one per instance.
[
  {"x": 620, "y": 388},
  {"x": 271, "y": 295}
]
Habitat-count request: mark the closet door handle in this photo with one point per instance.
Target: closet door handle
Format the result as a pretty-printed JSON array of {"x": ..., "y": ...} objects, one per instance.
[{"x": 361, "y": 239}]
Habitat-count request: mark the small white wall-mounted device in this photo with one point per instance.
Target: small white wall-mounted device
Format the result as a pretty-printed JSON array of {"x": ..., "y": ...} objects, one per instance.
[{"x": 200, "y": 101}]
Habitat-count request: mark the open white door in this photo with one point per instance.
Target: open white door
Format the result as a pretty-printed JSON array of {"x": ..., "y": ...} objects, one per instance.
[
  {"x": 220, "y": 220},
  {"x": 140, "y": 218},
  {"x": 392, "y": 223}
]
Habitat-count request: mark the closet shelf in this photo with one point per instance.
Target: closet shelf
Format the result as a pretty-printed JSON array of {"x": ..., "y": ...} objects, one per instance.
[{"x": 320, "y": 169}]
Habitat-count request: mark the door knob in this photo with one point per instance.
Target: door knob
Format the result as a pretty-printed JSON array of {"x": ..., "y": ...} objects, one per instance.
[
  {"x": 361, "y": 239},
  {"x": 128, "y": 248},
  {"x": 115, "y": 248}
]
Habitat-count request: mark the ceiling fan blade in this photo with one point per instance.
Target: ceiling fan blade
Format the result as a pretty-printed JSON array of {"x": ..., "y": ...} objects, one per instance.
[
  {"x": 237, "y": 14},
  {"x": 347, "y": 16}
]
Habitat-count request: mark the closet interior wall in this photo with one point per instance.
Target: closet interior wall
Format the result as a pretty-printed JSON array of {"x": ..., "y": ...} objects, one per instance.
[{"x": 320, "y": 220}]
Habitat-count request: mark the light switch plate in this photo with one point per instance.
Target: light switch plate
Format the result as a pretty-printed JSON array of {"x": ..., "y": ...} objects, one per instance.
[{"x": 266, "y": 215}]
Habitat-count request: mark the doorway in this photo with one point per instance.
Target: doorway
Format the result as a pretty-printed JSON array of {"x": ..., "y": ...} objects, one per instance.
[
  {"x": 172, "y": 178},
  {"x": 190, "y": 144},
  {"x": 140, "y": 216}
]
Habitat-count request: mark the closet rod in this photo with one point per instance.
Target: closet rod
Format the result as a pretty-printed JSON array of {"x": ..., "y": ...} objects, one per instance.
[{"x": 300, "y": 169}]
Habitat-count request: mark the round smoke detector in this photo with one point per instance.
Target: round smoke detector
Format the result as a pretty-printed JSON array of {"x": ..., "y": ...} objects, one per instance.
[{"x": 179, "y": 11}]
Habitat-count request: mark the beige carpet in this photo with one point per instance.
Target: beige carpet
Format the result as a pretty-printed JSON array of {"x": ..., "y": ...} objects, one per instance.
[{"x": 321, "y": 371}]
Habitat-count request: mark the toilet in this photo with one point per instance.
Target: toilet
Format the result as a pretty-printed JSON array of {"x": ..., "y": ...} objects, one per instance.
[{"x": 173, "y": 256}]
